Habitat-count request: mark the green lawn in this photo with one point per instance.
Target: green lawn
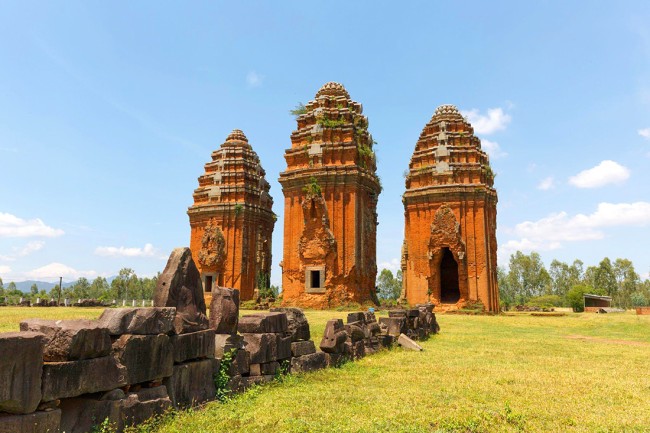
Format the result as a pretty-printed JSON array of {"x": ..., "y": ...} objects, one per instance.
[{"x": 581, "y": 372}]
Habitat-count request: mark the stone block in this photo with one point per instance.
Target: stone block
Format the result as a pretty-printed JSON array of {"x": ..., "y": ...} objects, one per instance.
[
  {"x": 370, "y": 317},
  {"x": 426, "y": 307},
  {"x": 270, "y": 368},
  {"x": 397, "y": 313},
  {"x": 283, "y": 347},
  {"x": 224, "y": 343},
  {"x": 224, "y": 310},
  {"x": 262, "y": 347},
  {"x": 180, "y": 286},
  {"x": 355, "y": 332},
  {"x": 333, "y": 337},
  {"x": 386, "y": 340},
  {"x": 310, "y": 362},
  {"x": 297, "y": 323},
  {"x": 237, "y": 384},
  {"x": 140, "y": 321},
  {"x": 195, "y": 345},
  {"x": 413, "y": 312},
  {"x": 301, "y": 348},
  {"x": 191, "y": 383},
  {"x": 21, "y": 368},
  {"x": 36, "y": 422},
  {"x": 275, "y": 323},
  {"x": 408, "y": 343},
  {"x": 139, "y": 406},
  {"x": 74, "y": 378},
  {"x": 356, "y": 317},
  {"x": 242, "y": 362},
  {"x": 336, "y": 359},
  {"x": 146, "y": 357},
  {"x": 359, "y": 349},
  {"x": 373, "y": 329},
  {"x": 70, "y": 340},
  {"x": 394, "y": 325},
  {"x": 255, "y": 370},
  {"x": 82, "y": 414}
]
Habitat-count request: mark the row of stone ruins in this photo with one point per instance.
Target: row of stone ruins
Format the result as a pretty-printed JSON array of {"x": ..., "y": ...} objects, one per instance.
[{"x": 135, "y": 363}]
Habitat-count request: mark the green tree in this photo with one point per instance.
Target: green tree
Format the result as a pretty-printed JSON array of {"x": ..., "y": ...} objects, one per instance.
[
  {"x": 2, "y": 288},
  {"x": 565, "y": 276},
  {"x": 125, "y": 285},
  {"x": 627, "y": 282},
  {"x": 389, "y": 287},
  {"x": 99, "y": 289},
  {"x": 605, "y": 279},
  {"x": 34, "y": 290},
  {"x": 506, "y": 294},
  {"x": 527, "y": 276},
  {"x": 12, "y": 290}
]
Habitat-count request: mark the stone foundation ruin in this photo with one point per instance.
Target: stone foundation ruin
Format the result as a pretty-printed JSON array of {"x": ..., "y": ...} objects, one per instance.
[{"x": 135, "y": 363}]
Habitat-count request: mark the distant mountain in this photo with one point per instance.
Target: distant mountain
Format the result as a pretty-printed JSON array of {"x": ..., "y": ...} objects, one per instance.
[{"x": 25, "y": 286}]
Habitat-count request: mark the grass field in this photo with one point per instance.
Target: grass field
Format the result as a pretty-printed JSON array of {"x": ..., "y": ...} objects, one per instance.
[{"x": 581, "y": 372}]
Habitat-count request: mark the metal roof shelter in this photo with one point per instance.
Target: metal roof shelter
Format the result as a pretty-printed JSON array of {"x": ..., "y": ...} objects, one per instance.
[{"x": 593, "y": 303}]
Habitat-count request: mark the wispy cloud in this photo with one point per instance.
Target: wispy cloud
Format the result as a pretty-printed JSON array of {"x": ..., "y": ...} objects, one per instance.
[
  {"x": 546, "y": 184},
  {"x": 605, "y": 173},
  {"x": 4, "y": 269},
  {"x": 55, "y": 270},
  {"x": 393, "y": 265},
  {"x": 484, "y": 124},
  {"x": 12, "y": 226},
  {"x": 553, "y": 231},
  {"x": 645, "y": 133},
  {"x": 147, "y": 251},
  {"x": 493, "y": 149},
  {"x": 253, "y": 79}
]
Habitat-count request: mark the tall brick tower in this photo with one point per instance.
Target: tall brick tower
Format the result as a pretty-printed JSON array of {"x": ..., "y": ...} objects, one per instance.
[
  {"x": 449, "y": 254},
  {"x": 232, "y": 220},
  {"x": 330, "y": 200}
]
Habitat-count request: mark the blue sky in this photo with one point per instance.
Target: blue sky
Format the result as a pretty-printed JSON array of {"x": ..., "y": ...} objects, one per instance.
[{"x": 108, "y": 111}]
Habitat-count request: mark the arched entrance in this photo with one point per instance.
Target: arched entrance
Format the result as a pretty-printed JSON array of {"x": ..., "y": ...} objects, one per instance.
[{"x": 449, "y": 287}]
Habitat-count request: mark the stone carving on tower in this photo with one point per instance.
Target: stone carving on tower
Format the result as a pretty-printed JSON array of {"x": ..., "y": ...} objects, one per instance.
[
  {"x": 330, "y": 188},
  {"x": 449, "y": 251},
  {"x": 232, "y": 220}
]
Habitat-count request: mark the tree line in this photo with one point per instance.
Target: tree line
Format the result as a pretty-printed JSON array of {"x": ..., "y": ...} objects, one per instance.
[
  {"x": 127, "y": 285},
  {"x": 527, "y": 281}
]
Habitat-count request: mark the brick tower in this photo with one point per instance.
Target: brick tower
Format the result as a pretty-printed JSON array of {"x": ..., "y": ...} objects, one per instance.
[
  {"x": 330, "y": 200},
  {"x": 232, "y": 220},
  {"x": 449, "y": 254}
]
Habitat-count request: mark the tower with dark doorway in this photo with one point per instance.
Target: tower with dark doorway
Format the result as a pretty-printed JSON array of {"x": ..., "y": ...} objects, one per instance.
[{"x": 449, "y": 253}]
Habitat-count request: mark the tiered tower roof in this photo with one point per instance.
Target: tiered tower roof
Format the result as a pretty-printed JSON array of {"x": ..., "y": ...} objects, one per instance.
[
  {"x": 448, "y": 155},
  {"x": 234, "y": 176},
  {"x": 331, "y": 132}
]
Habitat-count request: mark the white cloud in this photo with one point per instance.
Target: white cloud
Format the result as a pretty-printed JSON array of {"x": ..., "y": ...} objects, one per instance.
[
  {"x": 4, "y": 269},
  {"x": 12, "y": 226},
  {"x": 253, "y": 79},
  {"x": 495, "y": 120},
  {"x": 551, "y": 232},
  {"x": 53, "y": 271},
  {"x": 394, "y": 265},
  {"x": 604, "y": 173},
  {"x": 147, "y": 251},
  {"x": 31, "y": 247},
  {"x": 645, "y": 133},
  {"x": 546, "y": 184},
  {"x": 493, "y": 149}
]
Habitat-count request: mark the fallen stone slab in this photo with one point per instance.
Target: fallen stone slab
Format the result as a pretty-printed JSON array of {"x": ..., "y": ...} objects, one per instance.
[
  {"x": 334, "y": 337},
  {"x": 74, "y": 378},
  {"x": 21, "y": 368},
  {"x": 36, "y": 422},
  {"x": 224, "y": 343},
  {"x": 180, "y": 286},
  {"x": 146, "y": 357},
  {"x": 283, "y": 347},
  {"x": 407, "y": 343},
  {"x": 224, "y": 310},
  {"x": 357, "y": 317},
  {"x": 310, "y": 362},
  {"x": 195, "y": 345},
  {"x": 275, "y": 323},
  {"x": 140, "y": 321},
  {"x": 191, "y": 383},
  {"x": 355, "y": 332},
  {"x": 301, "y": 348},
  {"x": 270, "y": 368},
  {"x": 297, "y": 323},
  {"x": 241, "y": 362},
  {"x": 69, "y": 340},
  {"x": 397, "y": 313}
]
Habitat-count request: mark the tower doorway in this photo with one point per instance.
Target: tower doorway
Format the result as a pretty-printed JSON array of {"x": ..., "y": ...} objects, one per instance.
[{"x": 449, "y": 290}]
